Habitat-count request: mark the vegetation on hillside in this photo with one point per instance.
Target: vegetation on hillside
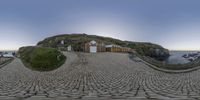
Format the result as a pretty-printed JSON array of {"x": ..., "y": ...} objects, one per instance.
[
  {"x": 78, "y": 40},
  {"x": 41, "y": 58}
]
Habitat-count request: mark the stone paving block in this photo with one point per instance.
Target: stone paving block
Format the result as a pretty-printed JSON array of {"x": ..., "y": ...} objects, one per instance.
[{"x": 97, "y": 76}]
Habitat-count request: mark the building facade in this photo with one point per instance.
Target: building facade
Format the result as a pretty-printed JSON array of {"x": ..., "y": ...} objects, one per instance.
[
  {"x": 117, "y": 48},
  {"x": 94, "y": 47},
  {"x": 69, "y": 48}
]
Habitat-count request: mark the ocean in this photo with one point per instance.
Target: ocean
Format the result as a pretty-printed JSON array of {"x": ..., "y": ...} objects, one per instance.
[
  {"x": 7, "y": 53},
  {"x": 176, "y": 57}
]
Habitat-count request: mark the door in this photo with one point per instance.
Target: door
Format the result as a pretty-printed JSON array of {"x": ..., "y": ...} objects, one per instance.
[{"x": 93, "y": 49}]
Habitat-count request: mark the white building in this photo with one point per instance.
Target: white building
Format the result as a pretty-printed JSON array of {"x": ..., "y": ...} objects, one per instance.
[
  {"x": 93, "y": 46},
  {"x": 69, "y": 48},
  {"x": 62, "y": 42}
]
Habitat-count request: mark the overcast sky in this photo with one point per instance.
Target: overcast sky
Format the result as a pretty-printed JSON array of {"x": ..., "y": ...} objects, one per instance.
[{"x": 174, "y": 24}]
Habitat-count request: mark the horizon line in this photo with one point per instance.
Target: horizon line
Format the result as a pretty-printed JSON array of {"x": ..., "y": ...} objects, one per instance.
[
  {"x": 168, "y": 49},
  {"x": 183, "y": 50}
]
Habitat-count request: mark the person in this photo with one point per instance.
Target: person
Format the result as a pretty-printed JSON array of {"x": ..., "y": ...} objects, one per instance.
[{"x": 13, "y": 53}]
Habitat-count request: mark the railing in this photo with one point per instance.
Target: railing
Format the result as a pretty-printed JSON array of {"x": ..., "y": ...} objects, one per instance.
[{"x": 5, "y": 60}]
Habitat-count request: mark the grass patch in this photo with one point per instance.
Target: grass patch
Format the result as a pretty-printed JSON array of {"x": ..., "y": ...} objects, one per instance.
[{"x": 41, "y": 58}]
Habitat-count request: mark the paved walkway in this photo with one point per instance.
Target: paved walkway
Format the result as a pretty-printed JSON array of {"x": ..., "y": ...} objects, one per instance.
[{"x": 101, "y": 76}]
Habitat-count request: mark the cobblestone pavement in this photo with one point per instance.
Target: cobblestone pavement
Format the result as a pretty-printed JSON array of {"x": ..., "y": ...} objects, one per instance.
[{"x": 101, "y": 76}]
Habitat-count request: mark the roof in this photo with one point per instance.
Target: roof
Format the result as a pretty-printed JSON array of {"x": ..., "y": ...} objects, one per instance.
[
  {"x": 112, "y": 45},
  {"x": 93, "y": 42}
]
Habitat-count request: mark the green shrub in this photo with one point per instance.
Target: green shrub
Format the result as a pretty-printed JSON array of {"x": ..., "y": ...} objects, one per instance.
[{"x": 41, "y": 58}]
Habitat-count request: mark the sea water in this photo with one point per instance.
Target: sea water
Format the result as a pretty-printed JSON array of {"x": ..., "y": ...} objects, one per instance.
[
  {"x": 176, "y": 57},
  {"x": 7, "y": 53}
]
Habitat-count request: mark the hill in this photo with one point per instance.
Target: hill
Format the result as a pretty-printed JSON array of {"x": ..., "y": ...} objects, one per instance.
[{"x": 78, "y": 40}]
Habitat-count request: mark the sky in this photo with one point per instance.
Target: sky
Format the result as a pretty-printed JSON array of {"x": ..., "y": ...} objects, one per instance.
[{"x": 174, "y": 24}]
